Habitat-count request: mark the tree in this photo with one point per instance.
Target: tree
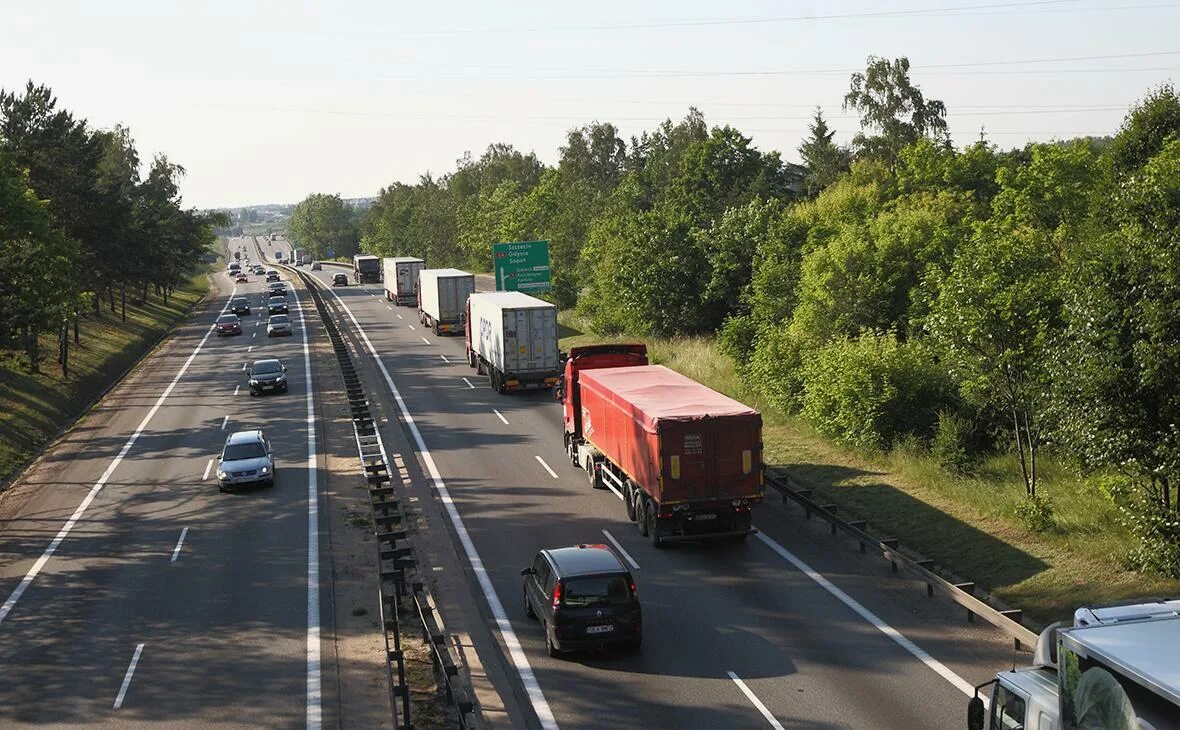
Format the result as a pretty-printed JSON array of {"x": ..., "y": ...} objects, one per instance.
[
  {"x": 824, "y": 159},
  {"x": 891, "y": 106},
  {"x": 323, "y": 223},
  {"x": 1150, "y": 125}
]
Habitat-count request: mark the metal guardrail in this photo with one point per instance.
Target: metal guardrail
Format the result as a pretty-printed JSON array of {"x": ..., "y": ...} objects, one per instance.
[
  {"x": 395, "y": 556},
  {"x": 1007, "y": 620}
]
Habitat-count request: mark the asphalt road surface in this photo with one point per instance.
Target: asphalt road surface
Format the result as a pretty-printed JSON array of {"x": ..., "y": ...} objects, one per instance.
[
  {"x": 791, "y": 629},
  {"x": 125, "y": 623}
]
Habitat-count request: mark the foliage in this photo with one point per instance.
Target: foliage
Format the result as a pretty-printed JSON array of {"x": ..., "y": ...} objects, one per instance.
[
  {"x": 891, "y": 106},
  {"x": 1035, "y": 512},
  {"x": 1152, "y": 123},
  {"x": 321, "y": 223},
  {"x": 951, "y": 445},
  {"x": 776, "y": 367},
  {"x": 824, "y": 159},
  {"x": 872, "y": 391}
]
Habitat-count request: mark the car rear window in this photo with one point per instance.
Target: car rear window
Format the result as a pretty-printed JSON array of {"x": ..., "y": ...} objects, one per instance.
[
  {"x": 235, "y": 452},
  {"x": 280, "y": 300},
  {"x": 280, "y": 319},
  {"x": 596, "y": 590}
]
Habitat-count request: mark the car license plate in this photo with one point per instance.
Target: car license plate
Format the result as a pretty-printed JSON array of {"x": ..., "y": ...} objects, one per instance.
[
  {"x": 267, "y": 387},
  {"x": 705, "y": 516},
  {"x": 600, "y": 629}
]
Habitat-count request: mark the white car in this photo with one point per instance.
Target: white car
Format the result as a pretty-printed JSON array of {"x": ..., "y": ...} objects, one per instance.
[{"x": 278, "y": 325}]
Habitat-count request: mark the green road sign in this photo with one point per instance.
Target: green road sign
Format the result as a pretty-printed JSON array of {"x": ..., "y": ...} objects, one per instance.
[{"x": 521, "y": 266}]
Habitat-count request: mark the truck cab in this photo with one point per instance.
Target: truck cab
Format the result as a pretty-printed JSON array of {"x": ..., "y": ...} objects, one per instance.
[{"x": 589, "y": 357}]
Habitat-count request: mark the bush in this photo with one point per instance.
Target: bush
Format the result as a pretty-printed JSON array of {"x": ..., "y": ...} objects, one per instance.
[
  {"x": 951, "y": 446},
  {"x": 1157, "y": 534},
  {"x": 737, "y": 339},
  {"x": 1035, "y": 513},
  {"x": 776, "y": 368},
  {"x": 874, "y": 390}
]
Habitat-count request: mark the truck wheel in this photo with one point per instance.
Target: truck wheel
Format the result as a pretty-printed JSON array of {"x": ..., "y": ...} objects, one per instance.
[
  {"x": 478, "y": 365},
  {"x": 436, "y": 332},
  {"x": 592, "y": 473},
  {"x": 629, "y": 502},
  {"x": 641, "y": 514},
  {"x": 470, "y": 359},
  {"x": 653, "y": 526}
]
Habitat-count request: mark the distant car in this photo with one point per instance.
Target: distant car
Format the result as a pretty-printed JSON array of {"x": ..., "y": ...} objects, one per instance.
[
  {"x": 241, "y": 277},
  {"x": 278, "y": 325},
  {"x": 272, "y": 275},
  {"x": 276, "y": 305},
  {"x": 228, "y": 324},
  {"x": 233, "y": 266},
  {"x": 268, "y": 376},
  {"x": 246, "y": 459},
  {"x": 315, "y": 266},
  {"x": 339, "y": 280},
  {"x": 584, "y": 597},
  {"x": 258, "y": 270},
  {"x": 239, "y": 305}
]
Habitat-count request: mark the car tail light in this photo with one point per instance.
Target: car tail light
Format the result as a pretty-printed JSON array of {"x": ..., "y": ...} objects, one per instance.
[
  {"x": 634, "y": 592},
  {"x": 557, "y": 596}
]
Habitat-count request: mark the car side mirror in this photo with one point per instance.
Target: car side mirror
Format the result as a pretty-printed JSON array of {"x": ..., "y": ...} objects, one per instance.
[
  {"x": 975, "y": 713},
  {"x": 527, "y": 571},
  {"x": 284, "y": 368}
]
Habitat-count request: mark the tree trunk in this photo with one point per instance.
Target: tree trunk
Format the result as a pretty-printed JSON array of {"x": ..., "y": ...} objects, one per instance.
[
  {"x": 32, "y": 348},
  {"x": 65, "y": 349},
  {"x": 1034, "y": 445},
  {"x": 111, "y": 296},
  {"x": 123, "y": 302},
  {"x": 1020, "y": 451},
  {"x": 77, "y": 339},
  {"x": 1165, "y": 493}
]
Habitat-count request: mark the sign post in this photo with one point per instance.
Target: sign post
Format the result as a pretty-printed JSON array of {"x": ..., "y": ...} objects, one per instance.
[{"x": 521, "y": 266}]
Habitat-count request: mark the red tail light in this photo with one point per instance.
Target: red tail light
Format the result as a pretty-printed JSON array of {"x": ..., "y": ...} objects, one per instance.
[
  {"x": 634, "y": 593},
  {"x": 557, "y": 596}
]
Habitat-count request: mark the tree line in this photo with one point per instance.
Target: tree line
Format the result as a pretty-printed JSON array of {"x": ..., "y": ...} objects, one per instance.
[
  {"x": 82, "y": 223},
  {"x": 899, "y": 290}
]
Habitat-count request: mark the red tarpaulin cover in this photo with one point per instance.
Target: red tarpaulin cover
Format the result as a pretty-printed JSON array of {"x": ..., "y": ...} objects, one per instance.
[{"x": 659, "y": 394}]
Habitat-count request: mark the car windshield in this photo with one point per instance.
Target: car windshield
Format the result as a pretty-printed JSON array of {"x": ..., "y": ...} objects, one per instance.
[
  {"x": 227, "y": 319},
  {"x": 237, "y": 452},
  {"x": 280, "y": 319},
  {"x": 277, "y": 300},
  {"x": 596, "y": 590},
  {"x": 266, "y": 368},
  {"x": 241, "y": 301}
]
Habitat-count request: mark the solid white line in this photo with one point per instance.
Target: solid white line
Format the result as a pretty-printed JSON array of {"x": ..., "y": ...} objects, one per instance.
[
  {"x": 444, "y": 357},
  {"x": 500, "y": 416},
  {"x": 314, "y": 681},
  {"x": 542, "y": 463},
  {"x": 425, "y": 340},
  {"x": 223, "y": 423},
  {"x": 529, "y": 680},
  {"x": 626, "y": 556},
  {"x": 412, "y": 327},
  {"x": 208, "y": 467},
  {"x": 469, "y": 383},
  {"x": 757, "y": 702},
  {"x": 237, "y": 389},
  {"x": 941, "y": 669},
  {"x": 176, "y": 550},
  {"x": 127, "y": 677},
  {"x": 38, "y": 566}
]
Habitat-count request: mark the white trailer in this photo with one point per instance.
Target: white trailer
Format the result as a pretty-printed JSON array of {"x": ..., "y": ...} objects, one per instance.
[
  {"x": 401, "y": 279},
  {"x": 442, "y": 299},
  {"x": 1116, "y": 668},
  {"x": 512, "y": 338}
]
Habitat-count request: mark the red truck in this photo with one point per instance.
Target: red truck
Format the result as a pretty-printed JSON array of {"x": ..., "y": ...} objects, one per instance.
[{"x": 686, "y": 460}]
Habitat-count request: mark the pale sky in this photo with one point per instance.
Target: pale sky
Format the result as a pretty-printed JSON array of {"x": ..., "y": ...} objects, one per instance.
[{"x": 267, "y": 102}]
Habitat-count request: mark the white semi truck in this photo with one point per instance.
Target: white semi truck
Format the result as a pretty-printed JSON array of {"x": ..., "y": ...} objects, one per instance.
[
  {"x": 401, "y": 279},
  {"x": 1116, "y": 668},
  {"x": 512, "y": 338},
  {"x": 442, "y": 299}
]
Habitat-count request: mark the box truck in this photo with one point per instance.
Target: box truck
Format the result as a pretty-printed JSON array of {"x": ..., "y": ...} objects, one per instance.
[
  {"x": 366, "y": 269},
  {"x": 1115, "y": 668},
  {"x": 512, "y": 338},
  {"x": 401, "y": 279},
  {"x": 686, "y": 460},
  {"x": 442, "y": 299}
]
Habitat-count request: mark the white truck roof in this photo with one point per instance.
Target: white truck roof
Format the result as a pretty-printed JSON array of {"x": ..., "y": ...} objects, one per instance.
[
  {"x": 442, "y": 273},
  {"x": 1143, "y": 650},
  {"x": 512, "y": 300},
  {"x": 406, "y": 260}
]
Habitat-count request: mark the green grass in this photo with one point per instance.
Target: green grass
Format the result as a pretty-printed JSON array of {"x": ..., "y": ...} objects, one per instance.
[
  {"x": 35, "y": 406},
  {"x": 967, "y": 525}
]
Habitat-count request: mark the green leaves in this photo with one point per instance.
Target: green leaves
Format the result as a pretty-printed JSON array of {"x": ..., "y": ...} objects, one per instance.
[{"x": 324, "y": 223}]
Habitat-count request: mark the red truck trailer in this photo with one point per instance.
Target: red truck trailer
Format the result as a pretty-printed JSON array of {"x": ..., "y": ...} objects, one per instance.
[{"x": 686, "y": 459}]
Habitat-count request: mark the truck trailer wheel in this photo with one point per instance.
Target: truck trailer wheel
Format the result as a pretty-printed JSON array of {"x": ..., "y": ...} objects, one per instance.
[
  {"x": 629, "y": 502},
  {"x": 653, "y": 526},
  {"x": 470, "y": 359},
  {"x": 641, "y": 506}
]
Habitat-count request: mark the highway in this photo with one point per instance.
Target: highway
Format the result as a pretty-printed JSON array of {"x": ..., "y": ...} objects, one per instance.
[
  {"x": 165, "y": 602},
  {"x": 136, "y": 594},
  {"x": 792, "y": 629}
]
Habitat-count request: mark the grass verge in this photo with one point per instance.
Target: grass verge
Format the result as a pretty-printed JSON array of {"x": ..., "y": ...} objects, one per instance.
[
  {"x": 34, "y": 407},
  {"x": 965, "y": 524}
]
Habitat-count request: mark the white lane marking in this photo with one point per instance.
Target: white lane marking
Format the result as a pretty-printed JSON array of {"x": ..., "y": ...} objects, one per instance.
[
  {"x": 444, "y": 358},
  {"x": 245, "y": 366},
  {"x": 251, "y": 347},
  {"x": 626, "y": 555},
  {"x": 500, "y": 416},
  {"x": 389, "y": 307},
  {"x": 314, "y": 680},
  {"x": 127, "y": 677},
  {"x": 224, "y": 422},
  {"x": 756, "y": 702},
  {"x": 469, "y": 383},
  {"x": 208, "y": 467},
  {"x": 412, "y": 327},
  {"x": 176, "y": 550},
  {"x": 425, "y": 340},
  {"x": 256, "y": 324},
  {"x": 237, "y": 389},
  {"x": 941, "y": 669},
  {"x": 399, "y": 316},
  {"x": 38, "y": 566},
  {"x": 529, "y": 680},
  {"x": 542, "y": 463}
]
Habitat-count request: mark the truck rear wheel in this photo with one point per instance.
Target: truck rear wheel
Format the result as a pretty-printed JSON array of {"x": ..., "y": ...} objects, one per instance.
[
  {"x": 653, "y": 526},
  {"x": 629, "y": 502},
  {"x": 641, "y": 506}
]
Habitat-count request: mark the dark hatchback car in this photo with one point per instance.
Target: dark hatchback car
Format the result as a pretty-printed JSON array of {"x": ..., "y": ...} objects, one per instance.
[
  {"x": 268, "y": 376},
  {"x": 339, "y": 280},
  {"x": 228, "y": 324},
  {"x": 585, "y": 599},
  {"x": 239, "y": 305},
  {"x": 276, "y": 305}
]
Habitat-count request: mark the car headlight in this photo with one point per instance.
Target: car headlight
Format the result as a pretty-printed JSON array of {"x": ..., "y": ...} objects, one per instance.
[
  {"x": 253, "y": 381},
  {"x": 265, "y": 470},
  {"x": 221, "y": 474}
]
